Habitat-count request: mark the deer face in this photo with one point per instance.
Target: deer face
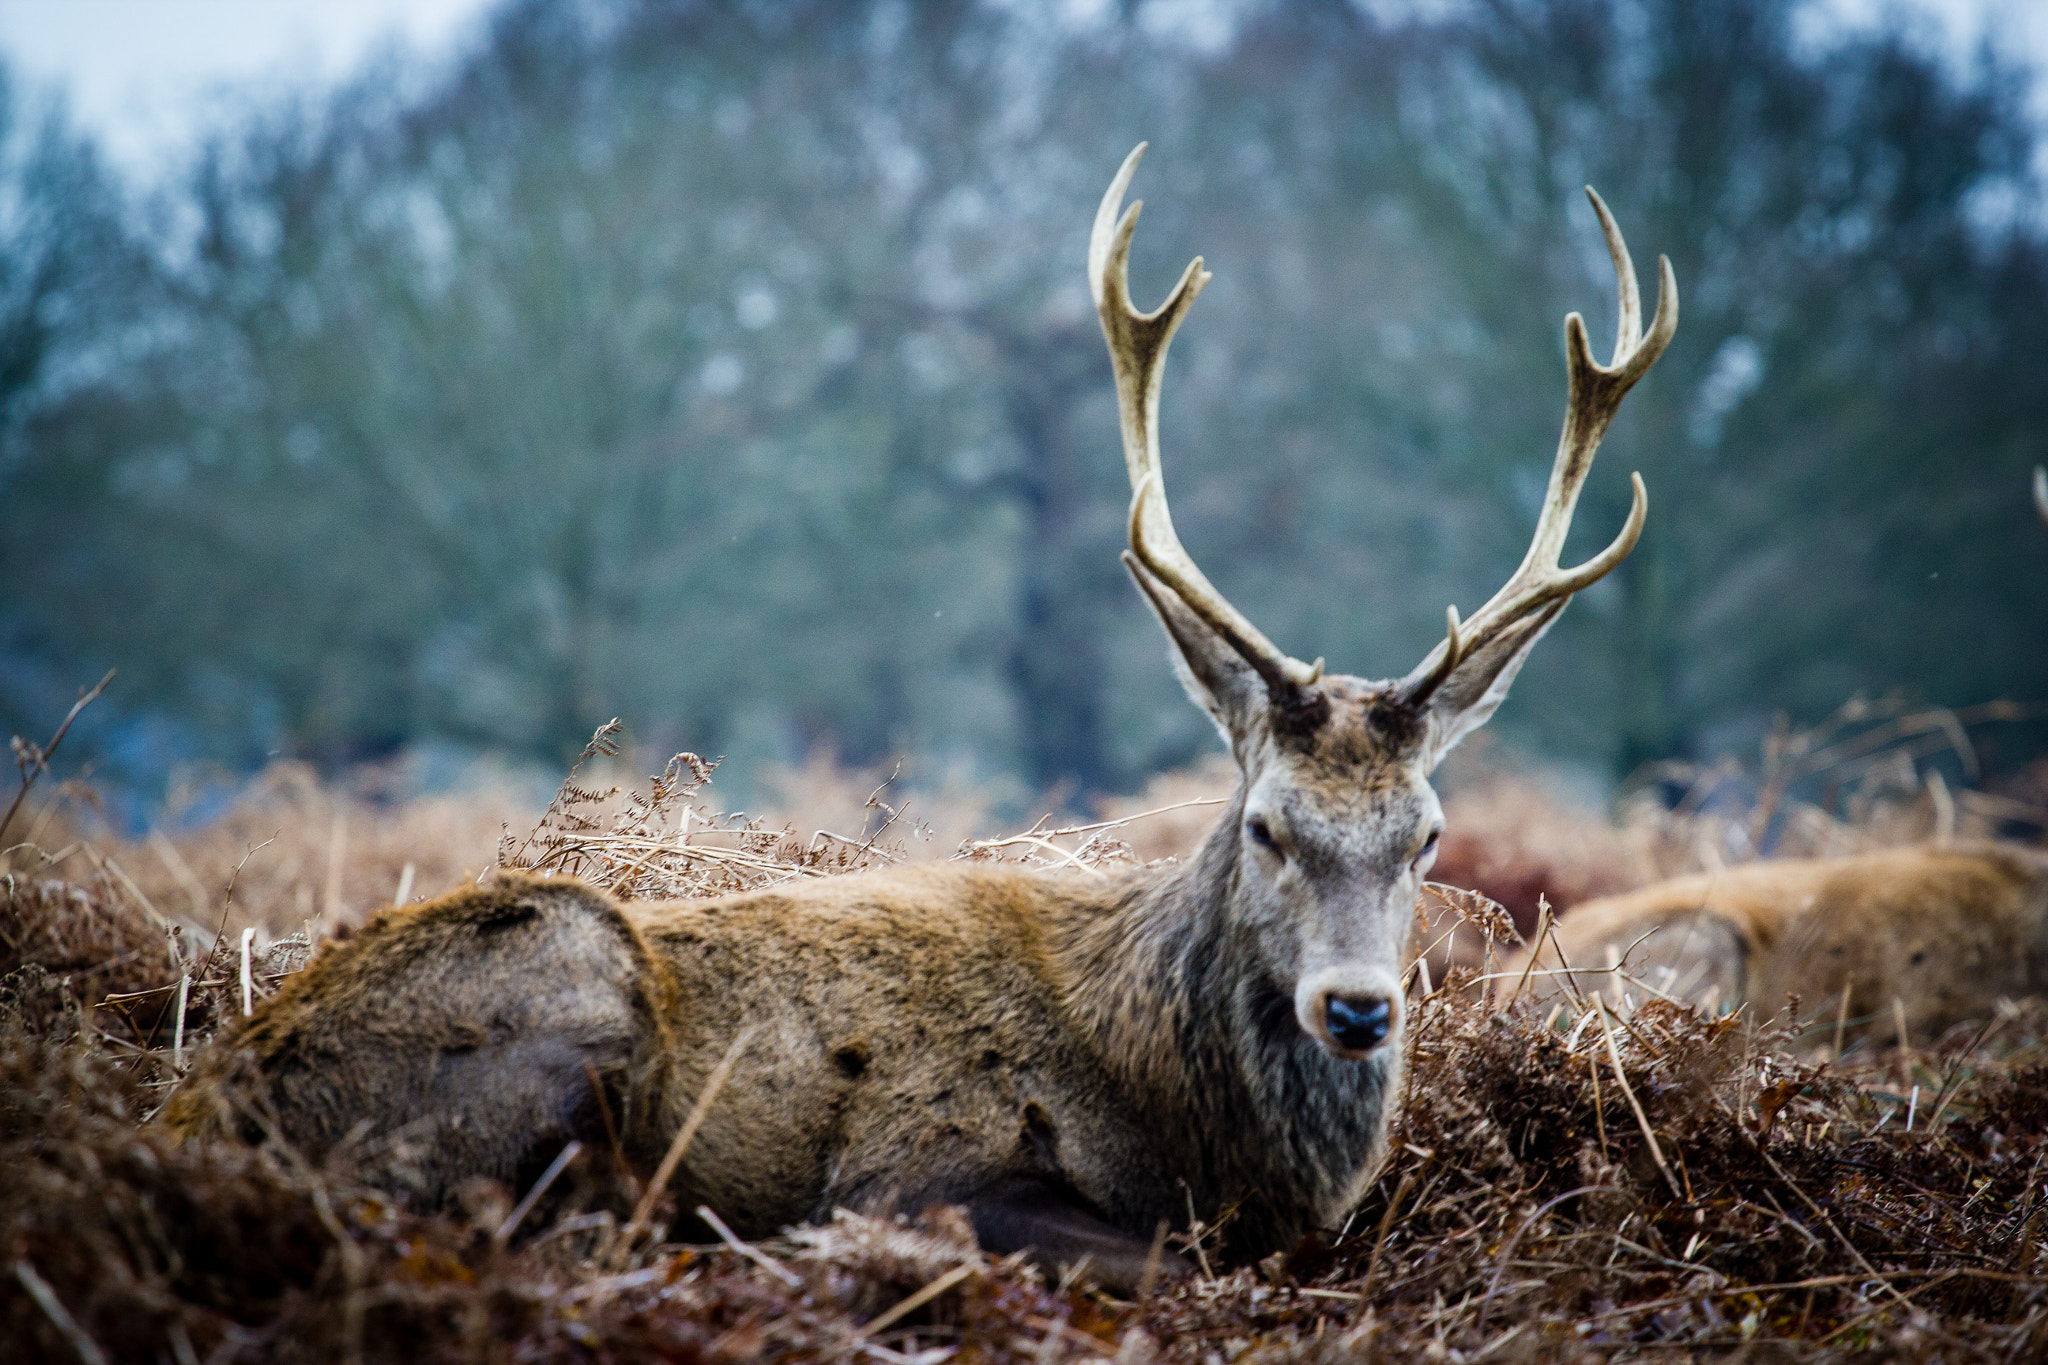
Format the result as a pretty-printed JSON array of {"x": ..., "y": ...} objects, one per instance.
[
  {"x": 1339, "y": 827},
  {"x": 1339, "y": 822}
]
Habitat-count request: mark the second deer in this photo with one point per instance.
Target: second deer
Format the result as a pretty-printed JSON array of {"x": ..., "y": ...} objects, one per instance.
[{"x": 1919, "y": 938}]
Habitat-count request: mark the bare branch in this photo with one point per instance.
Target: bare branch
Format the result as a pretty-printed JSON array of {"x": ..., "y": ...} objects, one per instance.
[{"x": 39, "y": 763}]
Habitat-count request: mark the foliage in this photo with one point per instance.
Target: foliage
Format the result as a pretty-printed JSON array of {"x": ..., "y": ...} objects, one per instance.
[{"x": 731, "y": 367}]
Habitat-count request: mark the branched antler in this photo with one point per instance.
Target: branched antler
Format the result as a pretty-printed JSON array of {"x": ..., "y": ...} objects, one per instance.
[
  {"x": 1596, "y": 390},
  {"x": 1137, "y": 352}
]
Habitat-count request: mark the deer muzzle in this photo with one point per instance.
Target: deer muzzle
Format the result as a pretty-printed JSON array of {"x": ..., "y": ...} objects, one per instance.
[{"x": 1351, "y": 1013}]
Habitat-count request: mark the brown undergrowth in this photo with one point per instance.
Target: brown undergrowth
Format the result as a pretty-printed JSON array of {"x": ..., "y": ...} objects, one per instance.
[{"x": 1565, "y": 1183}]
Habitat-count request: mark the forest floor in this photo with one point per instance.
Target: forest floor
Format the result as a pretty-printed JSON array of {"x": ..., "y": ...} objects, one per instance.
[{"x": 1565, "y": 1183}]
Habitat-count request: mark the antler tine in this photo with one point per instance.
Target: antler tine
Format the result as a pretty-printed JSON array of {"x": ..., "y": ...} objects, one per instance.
[
  {"x": 2041, "y": 491},
  {"x": 1137, "y": 353},
  {"x": 1628, "y": 330},
  {"x": 1596, "y": 392}
]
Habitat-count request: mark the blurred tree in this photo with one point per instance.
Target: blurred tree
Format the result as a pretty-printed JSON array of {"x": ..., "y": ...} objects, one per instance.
[
  {"x": 75, "y": 301},
  {"x": 1840, "y": 223},
  {"x": 730, "y": 368}
]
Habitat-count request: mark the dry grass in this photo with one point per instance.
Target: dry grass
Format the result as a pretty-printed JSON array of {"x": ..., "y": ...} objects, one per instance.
[{"x": 1565, "y": 1184}]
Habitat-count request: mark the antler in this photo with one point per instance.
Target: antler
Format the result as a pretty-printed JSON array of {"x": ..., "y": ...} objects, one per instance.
[
  {"x": 1596, "y": 394},
  {"x": 1137, "y": 352},
  {"x": 2041, "y": 491}
]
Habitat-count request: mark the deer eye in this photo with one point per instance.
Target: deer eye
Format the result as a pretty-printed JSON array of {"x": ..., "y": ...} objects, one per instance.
[
  {"x": 1428, "y": 849},
  {"x": 1262, "y": 833}
]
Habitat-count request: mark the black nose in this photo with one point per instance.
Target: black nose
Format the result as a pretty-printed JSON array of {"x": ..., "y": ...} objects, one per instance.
[{"x": 1359, "y": 1025}]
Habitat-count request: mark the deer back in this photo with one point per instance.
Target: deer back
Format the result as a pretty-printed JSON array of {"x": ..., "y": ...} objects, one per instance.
[{"x": 1945, "y": 930}]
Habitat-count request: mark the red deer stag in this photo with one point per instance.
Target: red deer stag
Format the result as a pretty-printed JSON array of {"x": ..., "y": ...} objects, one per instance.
[
  {"x": 1074, "y": 1060},
  {"x": 1943, "y": 930}
]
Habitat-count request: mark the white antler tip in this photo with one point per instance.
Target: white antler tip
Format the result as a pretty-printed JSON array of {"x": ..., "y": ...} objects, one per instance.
[
  {"x": 1102, "y": 235},
  {"x": 1632, "y": 529},
  {"x": 1666, "y": 321}
]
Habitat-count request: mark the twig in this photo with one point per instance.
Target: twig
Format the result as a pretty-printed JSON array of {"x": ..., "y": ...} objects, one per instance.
[
  {"x": 167, "y": 853},
  {"x": 1063, "y": 855},
  {"x": 178, "y": 1031},
  {"x": 1149, "y": 1276},
  {"x": 1195, "y": 1230},
  {"x": 1379, "y": 1240},
  {"x": 41, "y": 765},
  {"x": 1599, "y": 1110},
  {"x": 611, "y": 1129},
  {"x": 121, "y": 875},
  {"x": 228, "y": 903},
  {"x": 1034, "y": 832},
  {"x": 1543, "y": 927},
  {"x": 1877, "y": 1308},
  {"x": 540, "y": 1187},
  {"x": 752, "y": 1253},
  {"x": 248, "y": 985},
  {"x": 917, "y": 1300},
  {"x": 1508, "y": 1251},
  {"x": 53, "y": 1307},
  {"x": 1614, "y": 1055},
  {"x": 662, "y": 1173},
  {"x": 204, "y": 983},
  {"x": 1951, "y": 1084}
]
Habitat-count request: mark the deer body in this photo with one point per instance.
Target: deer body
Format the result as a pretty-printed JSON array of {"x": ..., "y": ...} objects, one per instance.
[
  {"x": 1036, "y": 1048},
  {"x": 1945, "y": 930},
  {"x": 1074, "y": 1058}
]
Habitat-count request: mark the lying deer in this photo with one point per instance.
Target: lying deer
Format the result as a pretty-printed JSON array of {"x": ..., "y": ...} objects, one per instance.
[
  {"x": 1077, "y": 1061},
  {"x": 1944, "y": 930}
]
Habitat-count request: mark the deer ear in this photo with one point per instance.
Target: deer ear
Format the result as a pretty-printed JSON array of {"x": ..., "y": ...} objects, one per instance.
[
  {"x": 1215, "y": 677},
  {"x": 1478, "y": 685}
]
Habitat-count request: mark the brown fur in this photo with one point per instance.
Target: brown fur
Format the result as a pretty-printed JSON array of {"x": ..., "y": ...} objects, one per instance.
[
  {"x": 1945, "y": 930},
  {"x": 448, "y": 1039},
  {"x": 955, "y": 1033},
  {"x": 1077, "y": 1058}
]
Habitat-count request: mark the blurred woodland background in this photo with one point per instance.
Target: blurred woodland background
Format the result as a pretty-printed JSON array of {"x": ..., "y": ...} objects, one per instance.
[{"x": 729, "y": 367}]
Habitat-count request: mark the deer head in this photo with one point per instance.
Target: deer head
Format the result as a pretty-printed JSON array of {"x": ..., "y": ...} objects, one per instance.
[{"x": 1337, "y": 821}]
